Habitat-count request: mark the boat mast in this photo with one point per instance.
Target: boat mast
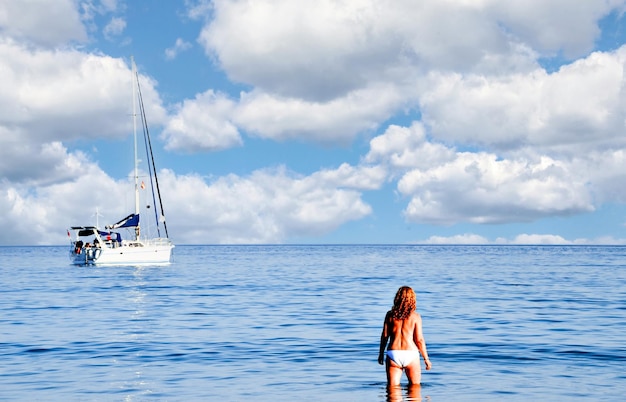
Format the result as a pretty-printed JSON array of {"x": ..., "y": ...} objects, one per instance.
[{"x": 136, "y": 174}]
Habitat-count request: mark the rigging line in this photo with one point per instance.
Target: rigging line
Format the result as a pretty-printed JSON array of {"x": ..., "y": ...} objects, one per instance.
[
  {"x": 146, "y": 139},
  {"x": 151, "y": 156}
]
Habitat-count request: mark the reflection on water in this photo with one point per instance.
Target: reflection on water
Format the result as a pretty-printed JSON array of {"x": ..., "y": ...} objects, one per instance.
[{"x": 409, "y": 392}]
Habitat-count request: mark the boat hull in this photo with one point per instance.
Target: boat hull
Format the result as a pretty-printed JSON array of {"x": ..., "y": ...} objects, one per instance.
[{"x": 133, "y": 253}]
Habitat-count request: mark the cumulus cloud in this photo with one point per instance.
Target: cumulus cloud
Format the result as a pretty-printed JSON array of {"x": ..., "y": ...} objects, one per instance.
[
  {"x": 48, "y": 23},
  {"x": 327, "y": 71},
  {"x": 346, "y": 176},
  {"x": 326, "y": 49},
  {"x": 269, "y": 206},
  {"x": 314, "y": 51},
  {"x": 560, "y": 112},
  {"x": 35, "y": 164},
  {"x": 65, "y": 95},
  {"x": 479, "y": 188},
  {"x": 554, "y": 26},
  {"x": 203, "y": 124},
  {"x": 50, "y": 98},
  {"x": 212, "y": 121},
  {"x": 605, "y": 170},
  {"x": 179, "y": 46},
  {"x": 336, "y": 121},
  {"x": 39, "y": 214},
  {"x": 444, "y": 186},
  {"x": 405, "y": 148}
]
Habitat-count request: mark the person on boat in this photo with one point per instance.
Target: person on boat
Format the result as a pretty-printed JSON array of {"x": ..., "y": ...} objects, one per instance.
[
  {"x": 402, "y": 329},
  {"x": 78, "y": 246}
]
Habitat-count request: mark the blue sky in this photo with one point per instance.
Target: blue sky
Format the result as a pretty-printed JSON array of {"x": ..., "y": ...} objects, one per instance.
[{"x": 275, "y": 121}]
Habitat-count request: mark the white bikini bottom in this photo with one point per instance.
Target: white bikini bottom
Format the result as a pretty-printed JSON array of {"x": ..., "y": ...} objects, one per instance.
[{"x": 403, "y": 357}]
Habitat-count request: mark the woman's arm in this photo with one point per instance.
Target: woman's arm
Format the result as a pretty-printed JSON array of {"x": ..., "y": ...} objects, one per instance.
[
  {"x": 418, "y": 337},
  {"x": 384, "y": 337}
]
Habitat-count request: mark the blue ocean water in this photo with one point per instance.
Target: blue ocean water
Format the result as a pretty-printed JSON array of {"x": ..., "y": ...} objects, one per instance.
[{"x": 267, "y": 323}]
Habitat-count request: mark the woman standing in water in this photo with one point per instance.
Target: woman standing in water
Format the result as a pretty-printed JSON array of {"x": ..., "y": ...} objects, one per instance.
[{"x": 403, "y": 330}]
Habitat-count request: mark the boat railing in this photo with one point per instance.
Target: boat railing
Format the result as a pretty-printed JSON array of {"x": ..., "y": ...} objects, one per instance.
[{"x": 159, "y": 241}]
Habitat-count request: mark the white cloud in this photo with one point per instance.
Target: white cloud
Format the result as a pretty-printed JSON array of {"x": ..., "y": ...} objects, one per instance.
[
  {"x": 64, "y": 95},
  {"x": 36, "y": 164},
  {"x": 539, "y": 239},
  {"x": 346, "y": 176},
  {"x": 604, "y": 171},
  {"x": 47, "y": 23},
  {"x": 467, "y": 238},
  {"x": 537, "y": 109},
  {"x": 269, "y": 206},
  {"x": 199, "y": 9},
  {"x": 114, "y": 28},
  {"x": 325, "y": 49},
  {"x": 553, "y": 26},
  {"x": 50, "y": 98},
  {"x": 550, "y": 239},
  {"x": 37, "y": 215},
  {"x": 405, "y": 148},
  {"x": 315, "y": 50},
  {"x": 444, "y": 186},
  {"x": 335, "y": 121},
  {"x": 579, "y": 106},
  {"x": 327, "y": 71},
  {"x": 57, "y": 97},
  {"x": 211, "y": 121},
  {"x": 522, "y": 239},
  {"x": 179, "y": 46},
  {"x": 479, "y": 188},
  {"x": 110, "y": 5},
  {"x": 202, "y": 124}
]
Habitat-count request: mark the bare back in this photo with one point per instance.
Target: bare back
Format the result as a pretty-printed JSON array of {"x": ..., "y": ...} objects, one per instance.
[{"x": 403, "y": 334}]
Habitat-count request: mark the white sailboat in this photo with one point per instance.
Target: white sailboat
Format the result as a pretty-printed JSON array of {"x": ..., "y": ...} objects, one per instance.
[{"x": 123, "y": 242}]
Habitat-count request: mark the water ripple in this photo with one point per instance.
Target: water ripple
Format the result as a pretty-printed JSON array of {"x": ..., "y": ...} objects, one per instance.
[{"x": 303, "y": 322}]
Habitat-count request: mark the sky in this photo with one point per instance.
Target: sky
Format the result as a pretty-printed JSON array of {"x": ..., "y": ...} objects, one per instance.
[{"x": 321, "y": 122}]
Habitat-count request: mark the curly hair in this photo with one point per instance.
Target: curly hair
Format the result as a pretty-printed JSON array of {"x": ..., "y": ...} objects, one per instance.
[{"x": 403, "y": 303}]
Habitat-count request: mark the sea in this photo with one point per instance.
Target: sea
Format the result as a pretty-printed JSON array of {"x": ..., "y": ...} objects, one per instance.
[{"x": 303, "y": 323}]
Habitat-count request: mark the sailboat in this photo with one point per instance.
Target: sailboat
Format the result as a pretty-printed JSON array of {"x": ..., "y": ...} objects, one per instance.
[{"x": 123, "y": 243}]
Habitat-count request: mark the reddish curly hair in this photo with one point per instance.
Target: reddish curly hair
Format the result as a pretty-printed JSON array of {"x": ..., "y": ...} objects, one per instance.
[{"x": 403, "y": 303}]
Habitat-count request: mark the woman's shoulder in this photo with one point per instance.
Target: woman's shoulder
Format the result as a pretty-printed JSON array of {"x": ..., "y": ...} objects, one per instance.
[{"x": 416, "y": 316}]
